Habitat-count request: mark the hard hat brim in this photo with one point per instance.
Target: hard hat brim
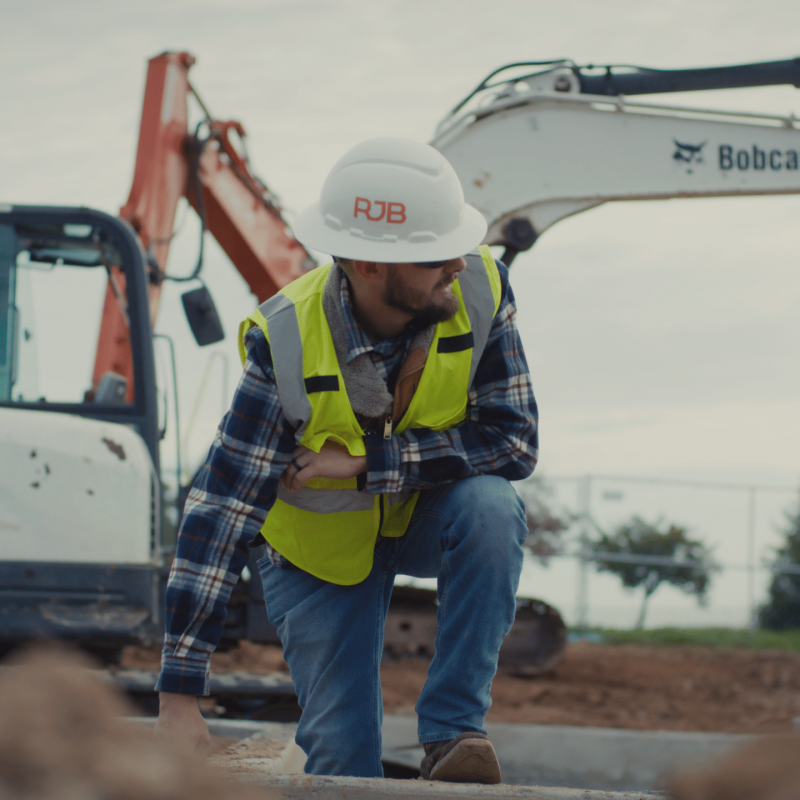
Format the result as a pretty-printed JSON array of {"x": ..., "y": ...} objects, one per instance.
[{"x": 311, "y": 231}]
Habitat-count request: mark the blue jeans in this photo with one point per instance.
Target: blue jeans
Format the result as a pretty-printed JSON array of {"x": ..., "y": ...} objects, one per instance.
[{"x": 469, "y": 535}]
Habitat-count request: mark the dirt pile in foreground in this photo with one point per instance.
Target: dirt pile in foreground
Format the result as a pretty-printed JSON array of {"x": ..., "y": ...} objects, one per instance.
[
  {"x": 766, "y": 769},
  {"x": 62, "y": 736}
]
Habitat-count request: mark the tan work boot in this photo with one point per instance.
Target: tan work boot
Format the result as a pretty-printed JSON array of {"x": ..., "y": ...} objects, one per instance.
[{"x": 469, "y": 758}]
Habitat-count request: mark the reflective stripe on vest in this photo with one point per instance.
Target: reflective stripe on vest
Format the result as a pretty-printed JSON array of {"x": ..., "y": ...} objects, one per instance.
[{"x": 338, "y": 546}]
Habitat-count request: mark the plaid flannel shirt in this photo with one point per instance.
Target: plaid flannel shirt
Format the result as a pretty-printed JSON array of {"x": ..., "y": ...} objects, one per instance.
[{"x": 235, "y": 490}]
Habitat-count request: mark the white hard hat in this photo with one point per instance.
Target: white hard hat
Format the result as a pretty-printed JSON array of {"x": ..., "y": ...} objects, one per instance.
[{"x": 392, "y": 200}]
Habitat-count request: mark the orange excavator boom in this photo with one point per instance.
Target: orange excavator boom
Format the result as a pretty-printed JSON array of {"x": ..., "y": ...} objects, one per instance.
[{"x": 234, "y": 205}]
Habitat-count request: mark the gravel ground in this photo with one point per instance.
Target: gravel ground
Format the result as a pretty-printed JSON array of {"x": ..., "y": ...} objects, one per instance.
[{"x": 621, "y": 686}]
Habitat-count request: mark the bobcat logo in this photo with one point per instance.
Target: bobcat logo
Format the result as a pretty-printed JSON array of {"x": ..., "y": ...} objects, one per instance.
[{"x": 689, "y": 154}]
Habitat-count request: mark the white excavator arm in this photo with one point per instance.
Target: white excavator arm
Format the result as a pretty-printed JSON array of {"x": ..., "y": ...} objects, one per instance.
[{"x": 540, "y": 149}]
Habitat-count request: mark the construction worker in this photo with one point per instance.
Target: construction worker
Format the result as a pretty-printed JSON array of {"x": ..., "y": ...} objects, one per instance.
[{"x": 384, "y": 407}]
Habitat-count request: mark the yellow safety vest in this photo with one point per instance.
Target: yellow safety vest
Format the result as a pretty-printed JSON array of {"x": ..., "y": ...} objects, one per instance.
[{"x": 329, "y": 527}]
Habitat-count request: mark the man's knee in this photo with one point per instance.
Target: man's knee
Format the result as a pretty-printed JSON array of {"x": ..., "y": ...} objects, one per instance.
[{"x": 488, "y": 504}]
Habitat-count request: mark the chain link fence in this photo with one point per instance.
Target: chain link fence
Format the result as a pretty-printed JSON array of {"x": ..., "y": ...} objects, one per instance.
[{"x": 741, "y": 524}]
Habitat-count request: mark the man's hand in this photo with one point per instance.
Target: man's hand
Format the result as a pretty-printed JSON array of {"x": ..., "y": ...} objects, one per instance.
[
  {"x": 332, "y": 461},
  {"x": 180, "y": 720}
]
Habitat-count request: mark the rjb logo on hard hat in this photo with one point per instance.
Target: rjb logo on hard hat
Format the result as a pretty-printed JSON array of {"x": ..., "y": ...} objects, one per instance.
[
  {"x": 393, "y": 211},
  {"x": 391, "y": 200}
]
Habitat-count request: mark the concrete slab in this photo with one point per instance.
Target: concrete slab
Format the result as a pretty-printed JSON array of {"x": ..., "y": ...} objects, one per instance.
[
  {"x": 261, "y": 755},
  {"x": 320, "y": 788},
  {"x": 581, "y": 758},
  {"x": 239, "y": 728},
  {"x": 280, "y": 773},
  {"x": 242, "y": 728},
  {"x": 591, "y": 762}
]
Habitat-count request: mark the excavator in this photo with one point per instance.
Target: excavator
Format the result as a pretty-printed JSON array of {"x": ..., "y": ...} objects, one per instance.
[
  {"x": 534, "y": 147},
  {"x": 83, "y": 556},
  {"x": 82, "y": 551}
]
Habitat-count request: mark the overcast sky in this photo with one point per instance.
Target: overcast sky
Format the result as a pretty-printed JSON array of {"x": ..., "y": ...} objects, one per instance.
[{"x": 663, "y": 337}]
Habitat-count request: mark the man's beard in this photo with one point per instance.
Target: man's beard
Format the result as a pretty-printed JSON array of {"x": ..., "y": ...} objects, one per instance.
[{"x": 398, "y": 294}]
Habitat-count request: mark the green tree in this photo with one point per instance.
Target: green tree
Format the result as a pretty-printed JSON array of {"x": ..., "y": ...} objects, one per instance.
[
  {"x": 657, "y": 545},
  {"x": 782, "y": 610}
]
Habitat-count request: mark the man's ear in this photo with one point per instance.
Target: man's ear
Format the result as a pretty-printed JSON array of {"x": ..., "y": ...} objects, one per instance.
[{"x": 368, "y": 271}]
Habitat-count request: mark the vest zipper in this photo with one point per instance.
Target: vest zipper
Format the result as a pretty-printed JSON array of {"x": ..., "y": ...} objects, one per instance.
[{"x": 387, "y": 428}]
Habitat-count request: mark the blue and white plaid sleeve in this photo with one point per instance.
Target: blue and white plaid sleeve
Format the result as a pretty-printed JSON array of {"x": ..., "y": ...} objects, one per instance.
[
  {"x": 226, "y": 508},
  {"x": 499, "y": 435}
]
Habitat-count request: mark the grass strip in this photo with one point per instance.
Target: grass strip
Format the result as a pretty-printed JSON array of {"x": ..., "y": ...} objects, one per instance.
[{"x": 703, "y": 637}]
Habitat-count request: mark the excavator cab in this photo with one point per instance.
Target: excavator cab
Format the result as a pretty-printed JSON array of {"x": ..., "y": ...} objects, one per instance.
[
  {"x": 52, "y": 275},
  {"x": 79, "y": 485},
  {"x": 56, "y": 269}
]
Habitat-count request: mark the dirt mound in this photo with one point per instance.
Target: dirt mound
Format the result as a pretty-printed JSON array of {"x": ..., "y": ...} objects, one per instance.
[
  {"x": 62, "y": 736},
  {"x": 685, "y": 688},
  {"x": 767, "y": 769},
  {"x": 639, "y": 687}
]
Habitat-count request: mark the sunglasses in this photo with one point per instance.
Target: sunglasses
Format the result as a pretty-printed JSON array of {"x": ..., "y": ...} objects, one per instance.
[{"x": 433, "y": 264}]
